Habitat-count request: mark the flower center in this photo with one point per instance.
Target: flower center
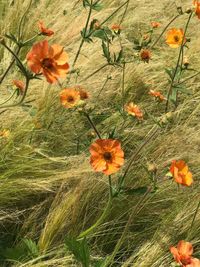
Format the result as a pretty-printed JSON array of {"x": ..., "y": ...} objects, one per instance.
[
  {"x": 107, "y": 156},
  {"x": 70, "y": 98},
  {"x": 47, "y": 63},
  {"x": 176, "y": 38}
]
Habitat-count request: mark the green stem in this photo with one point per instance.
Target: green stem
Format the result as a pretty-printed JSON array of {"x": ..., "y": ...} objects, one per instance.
[
  {"x": 16, "y": 58},
  {"x": 166, "y": 27},
  {"x": 110, "y": 259},
  {"x": 110, "y": 186},
  {"x": 92, "y": 124},
  {"x": 22, "y": 20},
  {"x": 8, "y": 98},
  {"x": 195, "y": 215},
  {"x": 134, "y": 157},
  {"x": 84, "y": 36},
  {"x": 177, "y": 64},
  {"x": 123, "y": 85},
  {"x": 187, "y": 79},
  {"x": 22, "y": 99},
  {"x": 95, "y": 72},
  {"x": 10, "y": 65},
  {"x": 99, "y": 221}
]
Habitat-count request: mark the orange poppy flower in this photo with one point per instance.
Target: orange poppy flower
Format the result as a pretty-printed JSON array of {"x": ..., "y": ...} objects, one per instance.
[
  {"x": 43, "y": 30},
  {"x": 20, "y": 85},
  {"x": 69, "y": 97},
  {"x": 157, "y": 95},
  {"x": 181, "y": 173},
  {"x": 174, "y": 37},
  {"x": 106, "y": 156},
  {"x": 51, "y": 61},
  {"x": 134, "y": 110},
  {"x": 155, "y": 24},
  {"x": 197, "y": 8},
  {"x": 116, "y": 28},
  {"x": 145, "y": 55},
  {"x": 183, "y": 254}
]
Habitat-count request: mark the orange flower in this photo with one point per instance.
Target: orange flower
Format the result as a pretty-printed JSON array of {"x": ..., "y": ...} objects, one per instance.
[
  {"x": 197, "y": 8},
  {"x": 157, "y": 95},
  {"x": 134, "y": 110},
  {"x": 50, "y": 60},
  {"x": 181, "y": 173},
  {"x": 155, "y": 24},
  {"x": 83, "y": 93},
  {"x": 183, "y": 254},
  {"x": 69, "y": 97},
  {"x": 145, "y": 55},
  {"x": 20, "y": 85},
  {"x": 116, "y": 28},
  {"x": 174, "y": 37},
  {"x": 43, "y": 30},
  {"x": 106, "y": 156}
]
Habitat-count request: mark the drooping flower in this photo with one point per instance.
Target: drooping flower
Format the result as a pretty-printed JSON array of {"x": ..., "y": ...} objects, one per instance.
[
  {"x": 145, "y": 55},
  {"x": 20, "y": 85},
  {"x": 181, "y": 173},
  {"x": 183, "y": 254},
  {"x": 157, "y": 95},
  {"x": 106, "y": 156},
  {"x": 196, "y": 3},
  {"x": 69, "y": 97},
  {"x": 43, "y": 30},
  {"x": 174, "y": 37},
  {"x": 51, "y": 61},
  {"x": 134, "y": 110},
  {"x": 116, "y": 28},
  {"x": 155, "y": 24},
  {"x": 5, "y": 133}
]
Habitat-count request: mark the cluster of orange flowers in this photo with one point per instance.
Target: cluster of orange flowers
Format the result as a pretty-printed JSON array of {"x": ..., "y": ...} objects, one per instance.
[{"x": 107, "y": 155}]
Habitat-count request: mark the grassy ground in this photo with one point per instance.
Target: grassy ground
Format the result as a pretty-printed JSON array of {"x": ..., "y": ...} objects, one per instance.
[{"x": 48, "y": 190}]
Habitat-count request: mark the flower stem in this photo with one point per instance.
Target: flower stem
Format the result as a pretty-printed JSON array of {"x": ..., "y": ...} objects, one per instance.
[
  {"x": 22, "y": 99},
  {"x": 10, "y": 65},
  {"x": 99, "y": 221},
  {"x": 133, "y": 158},
  {"x": 84, "y": 35},
  {"x": 177, "y": 64},
  {"x": 92, "y": 124},
  {"x": 195, "y": 215},
  {"x": 166, "y": 27}
]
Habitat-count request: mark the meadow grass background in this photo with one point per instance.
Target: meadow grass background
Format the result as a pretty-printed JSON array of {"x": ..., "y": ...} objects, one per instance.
[{"x": 47, "y": 188}]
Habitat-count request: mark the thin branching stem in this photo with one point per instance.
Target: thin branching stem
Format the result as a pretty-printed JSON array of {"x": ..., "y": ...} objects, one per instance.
[
  {"x": 84, "y": 35},
  {"x": 134, "y": 157},
  {"x": 92, "y": 124},
  {"x": 164, "y": 30},
  {"x": 10, "y": 65},
  {"x": 177, "y": 64}
]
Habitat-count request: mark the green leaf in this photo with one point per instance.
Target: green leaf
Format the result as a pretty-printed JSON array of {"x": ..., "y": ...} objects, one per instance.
[
  {"x": 173, "y": 95},
  {"x": 135, "y": 191},
  {"x": 26, "y": 250},
  {"x": 106, "y": 51},
  {"x": 169, "y": 72},
  {"x": 100, "y": 34},
  {"x": 80, "y": 250},
  {"x": 97, "y": 6},
  {"x": 183, "y": 89},
  {"x": 120, "y": 55}
]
